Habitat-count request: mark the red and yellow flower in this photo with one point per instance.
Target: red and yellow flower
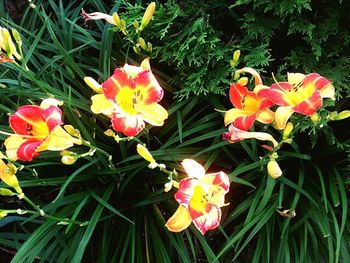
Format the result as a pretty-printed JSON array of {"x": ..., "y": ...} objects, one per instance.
[
  {"x": 201, "y": 197},
  {"x": 302, "y": 94},
  {"x": 129, "y": 97},
  {"x": 37, "y": 128},
  {"x": 249, "y": 105}
]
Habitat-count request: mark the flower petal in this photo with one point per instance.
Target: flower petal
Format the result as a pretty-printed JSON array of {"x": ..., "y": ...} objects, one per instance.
[
  {"x": 27, "y": 151},
  {"x": 193, "y": 169},
  {"x": 128, "y": 125},
  {"x": 232, "y": 114},
  {"x": 59, "y": 140},
  {"x": 219, "y": 179},
  {"x": 245, "y": 122},
  {"x": 266, "y": 116},
  {"x": 52, "y": 116},
  {"x": 185, "y": 192},
  {"x": 282, "y": 115},
  {"x": 119, "y": 80},
  {"x": 278, "y": 94},
  {"x": 310, "y": 105},
  {"x": 149, "y": 87},
  {"x": 236, "y": 93},
  {"x": 28, "y": 120},
  {"x": 12, "y": 144},
  {"x": 295, "y": 78},
  {"x": 208, "y": 220},
  {"x": 100, "y": 104},
  {"x": 153, "y": 113},
  {"x": 97, "y": 16},
  {"x": 179, "y": 221}
]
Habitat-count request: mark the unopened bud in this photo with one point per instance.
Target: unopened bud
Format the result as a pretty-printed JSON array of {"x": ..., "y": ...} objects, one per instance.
[
  {"x": 243, "y": 81},
  {"x": 6, "y": 192},
  {"x": 116, "y": 20},
  {"x": 136, "y": 25},
  {"x": 3, "y": 214},
  {"x": 136, "y": 49},
  {"x": 144, "y": 153},
  {"x": 274, "y": 169},
  {"x": 7, "y": 175},
  {"x": 142, "y": 43},
  {"x": 93, "y": 84},
  {"x": 287, "y": 130},
  {"x": 16, "y": 35},
  {"x": 314, "y": 117},
  {"x": 236, "y": 55},
  {"x": 339, "y": 116},
  {"x": 168, "y": 186},
  {"x": 72, "y": 131},
  {"x": 148, "y": 15},
  {"x": 109, "y": 133},
  {"x": 69, "y": 159},
  {"x": 149, "y": 47}
]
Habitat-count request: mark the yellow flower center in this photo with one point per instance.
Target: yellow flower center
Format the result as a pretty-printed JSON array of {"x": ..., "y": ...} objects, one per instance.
[{"x": 127, "y": 99}]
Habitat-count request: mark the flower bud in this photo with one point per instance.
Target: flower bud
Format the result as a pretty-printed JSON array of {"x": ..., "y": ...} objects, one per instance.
[
  {"x": 69, "y": 159},
  {"x": 16, "y": 35},
  {"x": 236, "y": 55},
  {"x": 7, "y": 175},
  {"x": 93, "y": 84},
  {"x": 168, "y": 186},
  {"x": 314, "y": 117},
  {"x": 116, "y": 20},
  {"x": 144, "y": 153},
  {"x": 243, "y": 81},
  {"x": 136, "y": 25},
  {"x": 109, "y": 133},
  {"x": 72, "y": 131},
  {"x": 340, "y": 116},
  {"x": 6, "y": 192},
  {"x": 142, "y": 43},
  {"x": 2, "y": 214},
  {"x": 274, "y": 169},
  {"x": 7, "y": 44},
  {"x": 287, "y": 130},
  {"x": 148, "y": 15}
]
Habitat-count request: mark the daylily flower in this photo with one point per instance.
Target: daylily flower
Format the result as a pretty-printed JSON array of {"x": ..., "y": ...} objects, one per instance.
[
  {"x": 302, "y": 94},
  {"x": 249, "y": 105},
  {"x": 235, "y": 135},
  {"x": 200, "y": 197},
  {"x": 130, "y": 98},
  {"x": 37, "y": 128}
]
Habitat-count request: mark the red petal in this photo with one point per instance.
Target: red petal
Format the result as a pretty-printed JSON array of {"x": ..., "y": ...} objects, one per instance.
[
  {"x": 119, "y": 80},
  {"x": 27, "y": 150},
  {"x": 150, "y": 89},
  {"x": 208, "y": 220},
  {"x": 310, "y": 105},
  {"x": 245, "y": 122},
  {"x": 221, "y": 179},
  {"x": 265, "y": 102},
  {"x": 237, "y": 92},
  {"x": 185, "y": 192},
  {"x": 129, "y": 126},
  {"x": 316, "y": 80},
  {"x": 52, "y": 116},
  {"x": 25, "y": 117},
  {"x": 278, "y": 93}
]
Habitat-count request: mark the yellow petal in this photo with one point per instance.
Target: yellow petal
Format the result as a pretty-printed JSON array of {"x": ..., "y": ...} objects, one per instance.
[
  {"x": 266, "y": 116},
  {"x": 144, "y": 153},
  {"x": 282, "y": 115},
  {"x": 100, "y": 104},
  {"x": 179, "y": 221},
  {"x": 153, "y": 113},
  {"x": 232, "y": 114},
  {"x": 59, "y": 140},
  {"x": 12, "y": 144}
]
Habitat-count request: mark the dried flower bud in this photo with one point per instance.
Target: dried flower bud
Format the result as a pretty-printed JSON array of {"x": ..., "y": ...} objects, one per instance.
[{"x": 274, "y": 169}]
